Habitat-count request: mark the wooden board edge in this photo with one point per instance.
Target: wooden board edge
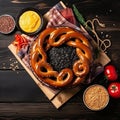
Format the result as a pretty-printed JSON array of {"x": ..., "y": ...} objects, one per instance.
[
  {"x": 103, "y": 58},
  {"x": 64, "y": 96}
]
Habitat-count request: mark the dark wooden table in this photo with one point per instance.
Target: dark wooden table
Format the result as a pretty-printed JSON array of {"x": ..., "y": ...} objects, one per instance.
[{"x": 20, "y": 97}]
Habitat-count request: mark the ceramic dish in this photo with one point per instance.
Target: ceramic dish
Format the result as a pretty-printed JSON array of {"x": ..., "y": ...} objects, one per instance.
[
  {"x": 7, "y": 24},
  {"x": 30, "y": 21}
]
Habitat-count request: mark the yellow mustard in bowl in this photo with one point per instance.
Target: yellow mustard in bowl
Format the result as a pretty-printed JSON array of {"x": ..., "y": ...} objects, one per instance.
[{"x": 29, "y": 21}]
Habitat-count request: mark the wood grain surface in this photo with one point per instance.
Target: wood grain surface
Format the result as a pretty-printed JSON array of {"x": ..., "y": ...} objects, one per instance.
[{"x": 21, "y": 98}]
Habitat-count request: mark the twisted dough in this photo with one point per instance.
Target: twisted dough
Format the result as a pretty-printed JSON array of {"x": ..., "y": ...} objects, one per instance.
[{"x": 54, "y": 37}]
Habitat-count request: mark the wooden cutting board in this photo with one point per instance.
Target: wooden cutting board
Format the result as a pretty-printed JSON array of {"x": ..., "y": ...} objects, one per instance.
[{"x": 57, "y": 97}]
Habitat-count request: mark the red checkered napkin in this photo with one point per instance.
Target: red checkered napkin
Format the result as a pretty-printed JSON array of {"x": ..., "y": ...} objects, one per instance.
[{"x": 61, "y": 18}]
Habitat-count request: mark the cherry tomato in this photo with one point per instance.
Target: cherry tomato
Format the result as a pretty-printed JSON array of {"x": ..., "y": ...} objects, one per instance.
[
  {"x": 114, "y": 89},
  {"x": 110, "y": 72}
]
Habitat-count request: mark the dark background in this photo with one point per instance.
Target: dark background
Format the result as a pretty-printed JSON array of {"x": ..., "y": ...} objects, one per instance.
[{"x": 20, "y": 97}]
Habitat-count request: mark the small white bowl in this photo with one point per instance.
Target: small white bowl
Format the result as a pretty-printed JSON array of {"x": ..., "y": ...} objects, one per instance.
[{"x": 7, "y": 24}]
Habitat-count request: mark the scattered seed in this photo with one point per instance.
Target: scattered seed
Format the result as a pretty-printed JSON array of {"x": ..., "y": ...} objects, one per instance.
[
  {"x": 106, "y": 35},
  {"x": 14, "y": 66},
  {"x": 110, "y": 10},
  {"x": 96, "y": 16},
  {"x": 114, "y": 25},
  {"x": 4, "y": 67}
]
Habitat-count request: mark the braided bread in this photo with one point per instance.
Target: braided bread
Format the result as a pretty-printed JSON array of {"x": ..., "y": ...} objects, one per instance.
[{"x": 55, "y": 37}]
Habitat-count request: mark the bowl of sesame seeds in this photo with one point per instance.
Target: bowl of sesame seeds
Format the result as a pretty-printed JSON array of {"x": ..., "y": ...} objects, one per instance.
[{"x": 96, "y": 97}]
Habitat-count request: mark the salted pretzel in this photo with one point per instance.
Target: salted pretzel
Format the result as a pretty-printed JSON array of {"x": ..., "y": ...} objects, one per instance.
[{"x": 55, "y": 37}]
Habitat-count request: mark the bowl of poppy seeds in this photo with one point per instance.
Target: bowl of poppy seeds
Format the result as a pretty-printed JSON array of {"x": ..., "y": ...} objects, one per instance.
[
  {"x": 62, "y": 57},
  {"x": 7, "y": 24}
]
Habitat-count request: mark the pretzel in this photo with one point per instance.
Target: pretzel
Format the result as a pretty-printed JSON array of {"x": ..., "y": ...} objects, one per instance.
[
  {"x": 62, "y": 32},
  {"x": 55, "y": 37},
  {"x": 81, "y": 66},
  {"x": 64, "y": 78}
]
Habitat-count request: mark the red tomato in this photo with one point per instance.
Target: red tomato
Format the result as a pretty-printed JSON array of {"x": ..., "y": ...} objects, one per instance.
[
  {"x": 110, "y": 72},
  {"x": 114, "y": 89}
]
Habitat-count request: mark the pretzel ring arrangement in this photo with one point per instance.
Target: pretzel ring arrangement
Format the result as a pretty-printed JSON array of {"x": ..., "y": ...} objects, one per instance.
[{"x": 55, "y": 37}]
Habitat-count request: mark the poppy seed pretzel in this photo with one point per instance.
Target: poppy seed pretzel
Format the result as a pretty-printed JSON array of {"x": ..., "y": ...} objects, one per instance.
[{"x": 55, "y": 37}]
